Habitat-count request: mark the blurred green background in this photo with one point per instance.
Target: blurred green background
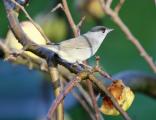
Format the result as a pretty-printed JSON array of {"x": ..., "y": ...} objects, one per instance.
[{"x": 25, "y": 94}]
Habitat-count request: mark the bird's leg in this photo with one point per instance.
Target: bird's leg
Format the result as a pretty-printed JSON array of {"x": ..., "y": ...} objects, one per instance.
[{"x": 83, "y": 65}]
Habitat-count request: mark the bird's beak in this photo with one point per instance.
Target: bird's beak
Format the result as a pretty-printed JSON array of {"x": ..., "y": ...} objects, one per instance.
[{"x": 109, "y": 30}]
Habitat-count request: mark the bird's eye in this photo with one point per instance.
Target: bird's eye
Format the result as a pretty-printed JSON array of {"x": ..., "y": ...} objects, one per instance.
[{"x": 103, "y": 31}]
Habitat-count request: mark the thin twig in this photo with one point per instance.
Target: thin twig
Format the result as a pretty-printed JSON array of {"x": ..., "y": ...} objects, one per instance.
[
  {"x": 93, "y": 98},
  {"x": 108, "y": 3},
  {"x": 82, "y": 102},
  {"x": 69, "y": 17},
  {"x": 129, "y": 35},
  {"x": 81, "y": 21},
  {"x": 65, "y": 8},
  {"x": 31, "y": 20},
  {"x": 98, "y": 69},
  {"x": 58, "y": 6},
  {"x": 83, "y": 92},
  {"x": 102, "y": 73},
  {"x": 80, "y": 24},
  {"x": 119, "y": 5}
]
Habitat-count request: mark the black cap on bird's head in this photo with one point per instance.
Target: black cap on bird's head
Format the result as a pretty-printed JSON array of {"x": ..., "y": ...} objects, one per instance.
[{"x": 100, "y": 28}]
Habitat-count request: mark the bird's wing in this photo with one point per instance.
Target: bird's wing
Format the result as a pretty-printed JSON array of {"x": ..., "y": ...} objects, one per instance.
[{"x": 75, "y": 43}]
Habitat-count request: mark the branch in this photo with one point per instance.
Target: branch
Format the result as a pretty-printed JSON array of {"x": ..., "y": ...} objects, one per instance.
[
  {"x": 64, "y": 7},
  {"x": 93, "y": 98},
  {"x": 67, "y": 75},
  {"x": 83, "y": 103},
  {"x": 80, "y": 24},
  {"x": 69, "y": 17},
  {"x": 67, "y": 89},
  {"x": 108, "y": 3},
  {"x": 57, "y": 7},
  {"x": 83, "y": 76},
  {"x": 57, "y": 90},
  {"x": 82, "y": 91},
  {"x": 31, "y": 20},
  {"x": 129, "y": 35},
  {"x": 119, "y": 5}
]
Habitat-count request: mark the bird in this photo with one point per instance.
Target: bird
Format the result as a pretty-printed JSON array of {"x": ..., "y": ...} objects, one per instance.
[{"x": 81, "y": 48}]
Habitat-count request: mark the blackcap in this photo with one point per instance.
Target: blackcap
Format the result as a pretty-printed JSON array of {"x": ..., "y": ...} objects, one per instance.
[{"x": 82, "y": 47}]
